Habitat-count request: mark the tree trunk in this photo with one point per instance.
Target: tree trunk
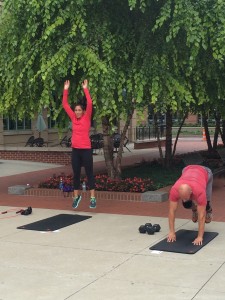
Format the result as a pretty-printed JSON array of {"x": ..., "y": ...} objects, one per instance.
[
  {"x": 168, "y": 152},
  {"x": 108, "y": 148},
  {"x": 178, "y": 133},
  {"x": 158, "y": 137},
  {"x": 122, "y": 140},
  {"x": 205, "y": 125},
  {"x": 114, "y": 166},
  {"x": 222, "y": 133},
  {"x": 217, "y": 130}
]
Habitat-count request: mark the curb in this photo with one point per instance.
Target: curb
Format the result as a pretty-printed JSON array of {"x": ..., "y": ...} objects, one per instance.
[{"x": 150, "y": 196}]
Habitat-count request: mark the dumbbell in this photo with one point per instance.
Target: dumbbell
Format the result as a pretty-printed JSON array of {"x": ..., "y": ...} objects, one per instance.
[
  {"x": 157, "y": 227},
  {"x": 143, "y": 228},
  {"x": 149, "y": 228}
]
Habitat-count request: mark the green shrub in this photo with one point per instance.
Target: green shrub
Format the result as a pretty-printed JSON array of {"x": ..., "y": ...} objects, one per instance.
[{"x": 147, "y": 176}]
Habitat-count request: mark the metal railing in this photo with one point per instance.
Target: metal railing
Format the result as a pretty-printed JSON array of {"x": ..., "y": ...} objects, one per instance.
[{"x": 142, "y": 133}]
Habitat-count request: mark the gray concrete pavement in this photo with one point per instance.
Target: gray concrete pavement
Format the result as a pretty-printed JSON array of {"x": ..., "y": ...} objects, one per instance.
[
  {"x": 13, "y": 167},
  {"x": 104, "y": 257}
]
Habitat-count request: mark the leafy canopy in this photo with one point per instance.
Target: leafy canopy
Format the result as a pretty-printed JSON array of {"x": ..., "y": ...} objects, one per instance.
[{"x": 167, "y": 53}]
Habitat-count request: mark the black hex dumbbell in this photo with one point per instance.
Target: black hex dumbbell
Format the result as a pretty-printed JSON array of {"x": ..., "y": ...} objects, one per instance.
[
  {"x": 157, "y": 227},
  {"x": 149, "y": 228},
  {"x": 142, "y": 229}
]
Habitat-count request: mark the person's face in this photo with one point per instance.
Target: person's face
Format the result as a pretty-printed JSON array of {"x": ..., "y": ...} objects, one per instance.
[{"x": 78, "y": 111}]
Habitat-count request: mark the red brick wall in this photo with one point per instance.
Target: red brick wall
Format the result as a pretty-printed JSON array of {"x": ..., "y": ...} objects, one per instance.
[
  {"x": 148, "y": 144},
  {"x": 100, "y": 195},
  {"x": 56, "y": 157}
]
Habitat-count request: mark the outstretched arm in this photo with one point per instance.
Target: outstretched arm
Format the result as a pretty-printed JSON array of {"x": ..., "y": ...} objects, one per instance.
[
  {"x": 172, "y": 210},
  {"x": 88, "y": 97},
  {"x": 65, "y": 103},
  {"x": 201, "y": 225}
]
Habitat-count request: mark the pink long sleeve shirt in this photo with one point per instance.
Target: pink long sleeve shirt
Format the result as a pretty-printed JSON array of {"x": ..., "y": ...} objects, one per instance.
[
  {"x": 196, "y": 177},
  {"x": 80, "y": 127}
]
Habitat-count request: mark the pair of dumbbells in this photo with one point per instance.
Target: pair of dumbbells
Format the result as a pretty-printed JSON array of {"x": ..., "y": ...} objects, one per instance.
[{"x": 149, "y": 228}]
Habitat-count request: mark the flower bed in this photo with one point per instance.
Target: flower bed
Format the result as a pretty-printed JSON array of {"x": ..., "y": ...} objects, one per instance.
[{"x": 102, "y": 183}]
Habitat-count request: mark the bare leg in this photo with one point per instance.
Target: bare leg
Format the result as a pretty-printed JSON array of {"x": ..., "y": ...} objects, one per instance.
[
  {"x": 75, "y": 193},
  {"x": 92, "y": 193}
]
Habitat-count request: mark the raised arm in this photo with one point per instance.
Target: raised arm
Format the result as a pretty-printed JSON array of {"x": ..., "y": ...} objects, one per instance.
[
  {"x": 65, "y": 103},
  {"x": 88, "y": 97}
]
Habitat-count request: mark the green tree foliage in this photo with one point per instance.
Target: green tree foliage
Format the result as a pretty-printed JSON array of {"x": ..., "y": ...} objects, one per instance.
[
  {"x": 192, "y": 59},
  {"x": 195, "y": 32},
  {"x": 167, "y": 53},
  {"x": 45, "y": 42},
  {"x": 42, "y": 43}
]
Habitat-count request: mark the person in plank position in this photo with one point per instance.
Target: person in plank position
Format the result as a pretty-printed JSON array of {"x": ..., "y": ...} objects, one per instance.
[{"x": 194, "y": 189}]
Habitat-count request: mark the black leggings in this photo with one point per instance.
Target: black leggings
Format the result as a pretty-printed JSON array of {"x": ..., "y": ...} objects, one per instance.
[{"x": 82, "y": 158}]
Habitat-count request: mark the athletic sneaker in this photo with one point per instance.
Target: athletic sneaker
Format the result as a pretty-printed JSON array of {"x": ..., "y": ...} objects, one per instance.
[
  {"x": 76, "y": 201},
  {"x": 92, "y": 202},
  {"x": 194, "y": 213},
  {"x": 208, "y": 217}
]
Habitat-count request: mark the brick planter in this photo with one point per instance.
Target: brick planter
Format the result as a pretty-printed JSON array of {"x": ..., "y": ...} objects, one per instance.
[
  {"x": 154, "y": 196},
  {"x": 101, "y": 195}
]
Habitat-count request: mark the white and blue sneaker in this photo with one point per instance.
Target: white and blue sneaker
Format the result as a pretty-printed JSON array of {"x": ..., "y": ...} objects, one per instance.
[
  {"x": 76, "y": 201},
  {"x": 92, "y": 202}
]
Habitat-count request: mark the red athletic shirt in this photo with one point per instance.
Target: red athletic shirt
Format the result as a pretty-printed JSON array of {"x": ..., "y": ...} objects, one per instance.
[
  {"x": 196, "y": 177},
  {"x": 80, "y": 127}
]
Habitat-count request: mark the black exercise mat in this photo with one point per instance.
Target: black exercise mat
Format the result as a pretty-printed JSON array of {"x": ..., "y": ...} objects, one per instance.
[
  {"x": 183, "y": 244},
  {"x": 54, "y": 223}
]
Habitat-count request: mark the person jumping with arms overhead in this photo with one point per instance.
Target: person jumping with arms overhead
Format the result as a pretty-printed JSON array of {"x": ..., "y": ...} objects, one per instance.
[
  {"x": 194, "y": 189},
  {"x": 80, "y": 142}
]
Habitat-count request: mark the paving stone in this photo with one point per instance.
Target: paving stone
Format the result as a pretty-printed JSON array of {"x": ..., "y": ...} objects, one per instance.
[
  {"x": 18, "y": 189},
  {"x": 155, "y": 196}
]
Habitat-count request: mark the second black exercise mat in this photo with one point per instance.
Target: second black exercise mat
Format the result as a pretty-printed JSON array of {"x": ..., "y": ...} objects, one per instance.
[
  {"x": 54, "y": 223},
  {"x": 183, "y": 244}
]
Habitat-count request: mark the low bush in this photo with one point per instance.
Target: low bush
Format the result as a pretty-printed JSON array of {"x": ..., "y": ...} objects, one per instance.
[
  {"x": 147, "y": 176},
  {"x": 102, "y": 183}
]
